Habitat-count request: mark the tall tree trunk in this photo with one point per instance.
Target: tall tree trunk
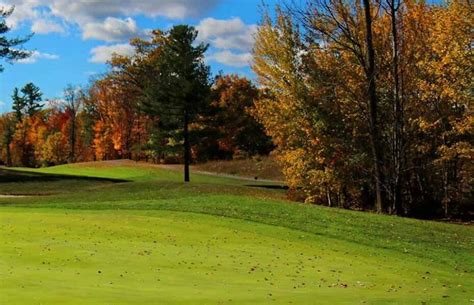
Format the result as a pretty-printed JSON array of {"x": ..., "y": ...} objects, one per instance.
[
  {"x": 187, "y": 147},
  {"x": 25, "y": 159},
  {"x": 445, "y": 200},
  {"x": 72, "y": 139},
  {"x": 446, "y": 181},
  {"x": 372, "y": 90},
  {"x": 328, "y": 195},
  {"x": 394, "y": 6},
  {"x": 9, "y": 155}
]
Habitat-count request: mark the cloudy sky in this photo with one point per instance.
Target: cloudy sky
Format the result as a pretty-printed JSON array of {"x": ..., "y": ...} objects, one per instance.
[{"x": 74, "y": 39}]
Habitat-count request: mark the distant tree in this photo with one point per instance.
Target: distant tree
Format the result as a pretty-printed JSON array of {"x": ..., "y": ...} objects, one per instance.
[
  {"x": 25, "y": 107},
  {"x": 28, "y": 103},
  {"x": 54, "y": 152},
  {"x": 9, "y": 47},
  {"x": 72, "y": 101},
  {"x": 182, "y": 85},
  {"x": 229, "y": 127},
  {"x": 111, "y": 119},
  {"x": 7, "y": 125},
  {"x": 33, "y": 98},
  {"x": 18, "y": 105}
]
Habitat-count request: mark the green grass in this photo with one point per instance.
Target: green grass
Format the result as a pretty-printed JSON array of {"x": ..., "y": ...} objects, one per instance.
[{"x": 141, "y": 236}]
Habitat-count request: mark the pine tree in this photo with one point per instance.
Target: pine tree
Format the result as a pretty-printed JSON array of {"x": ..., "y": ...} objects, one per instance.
[
  {"x": 182, "y": 86},
  {"x": 33, "y": 97},
  {"x": 28, "y": 103},
  {"x": 18, "y": 105},
  {"x": 9, "y": 47}
]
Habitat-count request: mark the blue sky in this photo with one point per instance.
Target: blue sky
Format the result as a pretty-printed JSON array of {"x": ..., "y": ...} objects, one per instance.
[{"x": 73, "y": 39}]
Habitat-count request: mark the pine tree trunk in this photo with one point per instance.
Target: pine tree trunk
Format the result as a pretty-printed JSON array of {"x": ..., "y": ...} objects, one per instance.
[{"x": 187, "y": 147}]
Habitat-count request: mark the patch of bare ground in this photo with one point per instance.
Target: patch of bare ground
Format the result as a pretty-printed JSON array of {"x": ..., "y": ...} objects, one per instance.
[{"x": 256, "y": 168}]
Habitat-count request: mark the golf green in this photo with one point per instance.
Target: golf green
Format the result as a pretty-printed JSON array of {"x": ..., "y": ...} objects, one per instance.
[
  {"x": 161, "y": 257},
  {"x": 133, "y": 233}
]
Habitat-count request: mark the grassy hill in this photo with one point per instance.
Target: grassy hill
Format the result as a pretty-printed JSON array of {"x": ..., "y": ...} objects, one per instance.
[{"x": 131, "y": 233}]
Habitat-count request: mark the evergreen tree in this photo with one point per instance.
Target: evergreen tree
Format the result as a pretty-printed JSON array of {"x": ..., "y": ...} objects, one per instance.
[
  {"x": 28, "y": 103},
  {"x": 18, "y": 105},
  {"x": 182, "y": 87},
  {"x": 9, "y": 47},
  {"x": 32, "y": 96}
]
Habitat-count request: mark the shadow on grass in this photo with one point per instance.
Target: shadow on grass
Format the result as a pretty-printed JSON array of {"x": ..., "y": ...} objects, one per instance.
[
  {"x": 269, "y": 186},
  {"x": 12, "y": 176}
]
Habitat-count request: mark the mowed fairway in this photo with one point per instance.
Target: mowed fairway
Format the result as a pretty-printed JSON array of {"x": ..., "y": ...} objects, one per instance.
[{"x": 148, "y": 238}]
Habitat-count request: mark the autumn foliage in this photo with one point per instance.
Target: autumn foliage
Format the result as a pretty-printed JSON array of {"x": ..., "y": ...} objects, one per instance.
[
  {"x": 366, "y": 104},
  {"x": 319, "y": 109}
]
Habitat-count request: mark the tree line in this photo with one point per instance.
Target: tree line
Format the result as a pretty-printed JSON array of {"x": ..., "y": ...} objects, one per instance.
[
  {"x": 104, "y": 122},
  {"x": 366, "y": 105},
  {"x": 159, "y": 105},
  {"x": 369, "y": 103}
]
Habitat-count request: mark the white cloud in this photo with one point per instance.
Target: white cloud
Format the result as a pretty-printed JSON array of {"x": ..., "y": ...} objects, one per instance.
[
  {"x": 211, "y": 27},
  {"x": 2, "y": 103},
  {"x": 111, "y": 30},
  {"x": 232, "y": 38},
  {"x": 229, "y": 58},
  {"x": 243, "y": 42},
  {"x": 111, "y": 21},
  {"x": 45, "y": 26},
  {"x": 102, "y": 54},
  {"x": 93, "y": 10},
  {"x": 36, "y": 55},
  {"x": 51, "y": 103},
  {"x": 84, "y": 11},
  {"x": 102, "y": 16},
  {"x": 90, "y": 73},
  {"x": 23, "y": 11},
  {"x": 227, "y": 34}
]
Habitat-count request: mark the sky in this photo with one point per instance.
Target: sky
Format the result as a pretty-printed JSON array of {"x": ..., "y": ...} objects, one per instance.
[{"x": 73, "y": 39}]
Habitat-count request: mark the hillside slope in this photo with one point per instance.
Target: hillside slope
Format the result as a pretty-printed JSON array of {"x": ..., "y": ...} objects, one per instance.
[{"x": 176, "y": 248}]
